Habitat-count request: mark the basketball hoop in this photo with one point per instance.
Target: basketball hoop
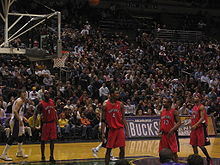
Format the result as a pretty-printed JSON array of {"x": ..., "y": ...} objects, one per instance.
[{"x": 59, "y": 62}]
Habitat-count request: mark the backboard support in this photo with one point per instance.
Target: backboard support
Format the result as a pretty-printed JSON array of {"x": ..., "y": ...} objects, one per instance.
[
  {"x": 12, "y": 51},
  {"x": 5, "y": 46}
]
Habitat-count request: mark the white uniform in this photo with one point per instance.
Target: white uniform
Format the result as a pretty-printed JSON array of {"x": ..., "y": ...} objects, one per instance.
[{"x": 16, "y": 129}]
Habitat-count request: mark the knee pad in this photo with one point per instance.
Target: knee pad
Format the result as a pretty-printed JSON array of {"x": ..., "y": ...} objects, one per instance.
[
  {"x": 10, "y": 140},
  {"x": 20, "y": 139}
]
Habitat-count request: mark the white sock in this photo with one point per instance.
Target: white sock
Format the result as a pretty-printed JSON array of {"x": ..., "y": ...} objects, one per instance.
[
  {"x": 98, "y": 147},
  {"x": 111, "y": 155},
  {"x": 5, "y": 151},
  {"x": 20, "y": 147},
  {"x": 7, "y": 132},
  {"x": 29, "y": 131}
]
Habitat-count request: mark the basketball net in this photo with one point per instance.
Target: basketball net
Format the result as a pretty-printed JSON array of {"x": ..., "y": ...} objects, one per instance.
[{"x": 59, "y": 62}]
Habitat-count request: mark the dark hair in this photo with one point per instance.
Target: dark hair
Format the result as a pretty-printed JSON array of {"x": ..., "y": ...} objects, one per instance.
[
  {"x": 170, "y": 100},
  {"x": 195, "y": 160},
  {"x": 122, "y": 162},
  {"x": 166, "y": 155},
  {"x": 20, "y": 91},
  {"x": 111, "y": 91}
]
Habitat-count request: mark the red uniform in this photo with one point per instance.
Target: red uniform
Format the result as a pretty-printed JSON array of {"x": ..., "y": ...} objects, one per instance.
[
  {"x": 113, "y": 116},
  {"x": 49, "y": 117},
  {"x": 167, "y": 122},
  {"x": 198, "y": 136}
]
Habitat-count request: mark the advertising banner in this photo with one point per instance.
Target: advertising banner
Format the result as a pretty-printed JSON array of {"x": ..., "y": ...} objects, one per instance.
[{"x": 148, "y": 126}]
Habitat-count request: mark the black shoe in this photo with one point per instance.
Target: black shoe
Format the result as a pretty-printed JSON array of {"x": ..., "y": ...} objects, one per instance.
[
  {"x": 43, "y": 159},
  {"x": 52, "y": 159}
]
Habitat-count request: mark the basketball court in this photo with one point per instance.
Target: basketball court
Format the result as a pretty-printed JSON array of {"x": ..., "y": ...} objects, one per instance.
[{"x": 138, "y": 151}]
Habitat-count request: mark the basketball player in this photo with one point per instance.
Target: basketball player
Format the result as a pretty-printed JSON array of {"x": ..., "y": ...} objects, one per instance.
[
  {"x": 169, "y": 124},
  {"x": 113, "y": 118},
  {"x": 46, "y": 108},
  {"x": 199, "y": 136},
  {"x": 17, "y": 127}
]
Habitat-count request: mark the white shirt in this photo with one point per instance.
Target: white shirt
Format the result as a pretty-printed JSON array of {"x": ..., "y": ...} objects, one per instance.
[
  {"x": 84, "y": 32},
  {"x": 68, "y": 107},
  {"x": 46, "y": 71},
  {"x": 130, "y": 109},
  {"x": 213, "y": 83},
  {"x": 48, "y": 81},
  {"x": 103, "y": 91},
  {"x": 39, "y": 73},
  {"x": 33, "y": 95},
  {"x": 205, "y": 79},
  {"x": 40, "y": 93},
  {"x": 21, "y": 110},
  {"x": 29, "y": 71},
  {"x": 4, "y": 104}
]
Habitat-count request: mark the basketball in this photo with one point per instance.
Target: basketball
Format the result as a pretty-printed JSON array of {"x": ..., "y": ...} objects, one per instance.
[{"x": 94, "y": 2}]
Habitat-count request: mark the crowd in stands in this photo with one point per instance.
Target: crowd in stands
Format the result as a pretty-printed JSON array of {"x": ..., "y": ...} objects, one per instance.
[
  {"x": 143, "y": 71},
  {"x": 210, "y": 4}
]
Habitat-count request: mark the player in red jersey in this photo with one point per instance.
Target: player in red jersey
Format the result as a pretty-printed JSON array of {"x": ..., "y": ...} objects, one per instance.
[
  {"x": 113, "y": 117},
  {"x": 169, "y": 124},
  {"x": 199, "y": 135},
  {"x": 49, "y": 124}
]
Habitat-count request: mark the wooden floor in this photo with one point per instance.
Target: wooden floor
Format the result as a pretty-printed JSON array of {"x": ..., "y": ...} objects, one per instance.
[{"x": 67, "y": 151}]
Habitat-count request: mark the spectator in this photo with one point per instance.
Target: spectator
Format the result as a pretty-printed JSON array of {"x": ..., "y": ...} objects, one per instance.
[
  {"x": 63, "y": 125},
  {"x": 184, "y": 110},
  {"x": 34, "y": 96},
  {"x": 68, "y": 105},
  {"x": 166, "y": 157},
  {"x": 150, "y": 112},
  {"x": 45, "y": 71},
  {"x": 85, "y": 31},
  {"x": 41, "y": 92},
  {"x": 27, "y": 129},
  {"x": 94, "y": 118},
  {"x": 35, "y": 127},
  {"x": 83, "y": 98},
  {"x": 130, "y": 108},
  {"x": 103, "y": 92},
  {"x": 195, "y": 160},
  {"x": 140, "y": 112},
  {"x": 9, "y": 106},
  {"x": 86, "y": 126},
  {"x": 74, "y": 122},
  {"x": 212, "y": 95},
  {"x": 48, "y": 80}
]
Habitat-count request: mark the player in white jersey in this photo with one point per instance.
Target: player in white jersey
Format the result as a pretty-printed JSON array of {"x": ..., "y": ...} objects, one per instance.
[
  {"x": 17, "y": 127},
  {"x": 103, "y": 145}
]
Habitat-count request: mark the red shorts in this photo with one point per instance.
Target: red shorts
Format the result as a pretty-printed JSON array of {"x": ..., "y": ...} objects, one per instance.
[
  {"x": 197, "y": 137},
  {"x": 169, "y": 142},
  {"x": 116, "y": 138},
  {"x": 49, "y": 131}
]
